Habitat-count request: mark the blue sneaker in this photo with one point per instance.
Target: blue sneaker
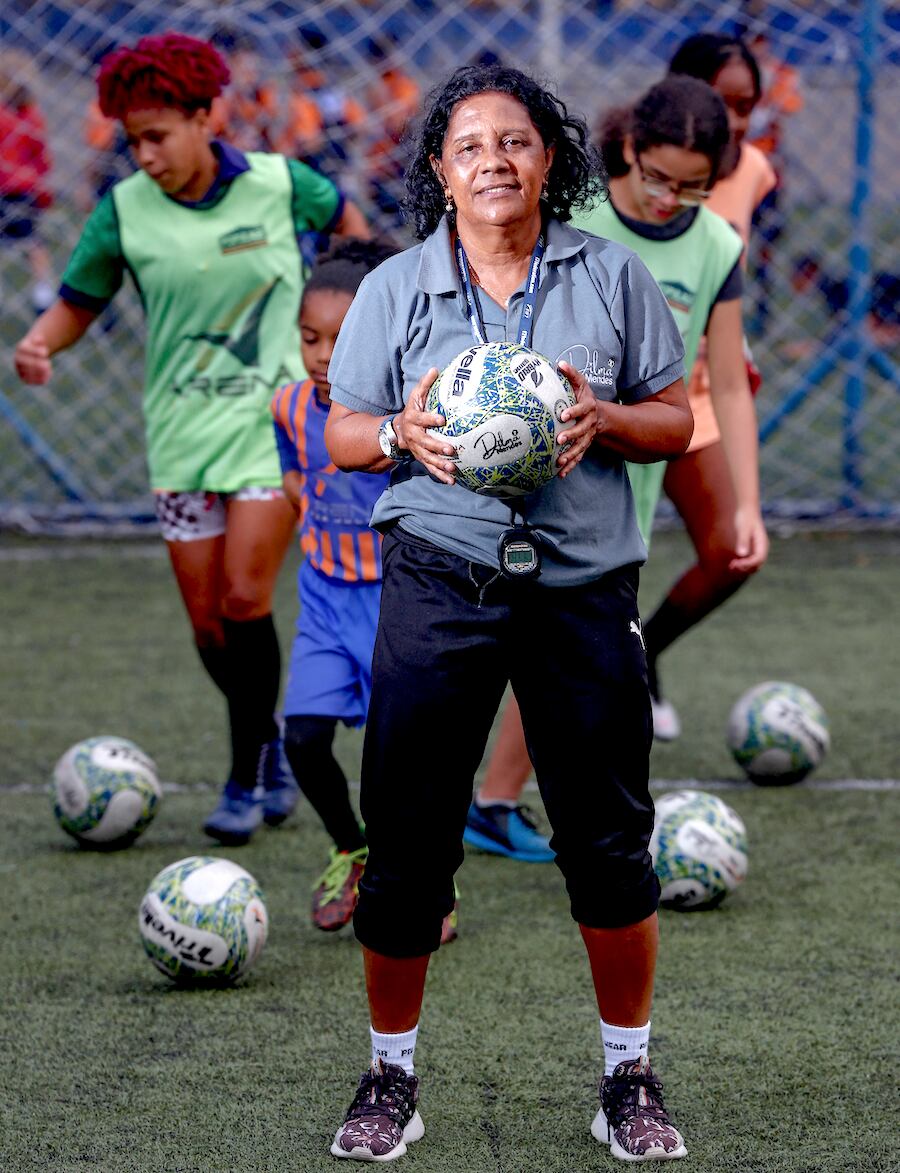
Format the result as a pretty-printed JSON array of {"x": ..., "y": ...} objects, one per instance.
[
  {"x": 509, "y": 831},
  {"x": 238, "y": 814},
  {"x": 281, "y": 790}
]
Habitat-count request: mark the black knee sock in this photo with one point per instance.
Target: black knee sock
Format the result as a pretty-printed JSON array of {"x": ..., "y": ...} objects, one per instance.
[
  {"x": 254, "y": 676},
  {"x": 215, "y": 660},
  {"x": 307, "y": 744},
  {"x": 664, "y": 626}
]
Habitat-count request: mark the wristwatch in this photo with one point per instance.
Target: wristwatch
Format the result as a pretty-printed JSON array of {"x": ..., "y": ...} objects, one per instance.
[{"x": 387, "y": 438}]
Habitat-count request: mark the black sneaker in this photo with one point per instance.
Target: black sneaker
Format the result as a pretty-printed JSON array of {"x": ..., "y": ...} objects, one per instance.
[
  {"x": 632, "y": 1117},
  {"x": 383, "y": 1118}
]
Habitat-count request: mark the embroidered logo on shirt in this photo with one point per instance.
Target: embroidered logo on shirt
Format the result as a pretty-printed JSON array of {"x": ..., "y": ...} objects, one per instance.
[
  {"x": 599, "y": 371},
  {"x": 240, "y": 239},
  {"x": 678, "y": 296}
]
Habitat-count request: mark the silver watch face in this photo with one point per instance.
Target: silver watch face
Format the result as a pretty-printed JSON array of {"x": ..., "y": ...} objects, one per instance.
[{"x": 387, "y": 438}]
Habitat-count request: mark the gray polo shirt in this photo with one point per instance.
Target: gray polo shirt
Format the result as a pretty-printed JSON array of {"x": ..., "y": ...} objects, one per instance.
[{"x": 597, "y": 308}]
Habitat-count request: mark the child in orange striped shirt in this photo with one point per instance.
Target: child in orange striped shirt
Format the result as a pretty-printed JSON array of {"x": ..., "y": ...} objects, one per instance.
[{"x": 339, "y": 582}]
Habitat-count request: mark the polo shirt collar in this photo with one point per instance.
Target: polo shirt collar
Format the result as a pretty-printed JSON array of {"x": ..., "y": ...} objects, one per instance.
[
  {"x": 437, "y": 264},
  {"x": 232, "y": 162}
]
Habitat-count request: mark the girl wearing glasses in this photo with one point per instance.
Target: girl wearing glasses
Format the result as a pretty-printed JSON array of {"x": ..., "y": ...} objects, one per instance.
[{"x": 663, "y": 157}]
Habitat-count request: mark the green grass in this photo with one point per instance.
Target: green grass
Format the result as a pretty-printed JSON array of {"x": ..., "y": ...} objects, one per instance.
[{"x": 775, "y": 1023}]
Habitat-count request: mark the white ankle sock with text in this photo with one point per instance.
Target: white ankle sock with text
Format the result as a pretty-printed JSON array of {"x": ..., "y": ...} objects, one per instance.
[
  {"x": 623, "y": 1044},
  {"x": 398, "y": 1049}
]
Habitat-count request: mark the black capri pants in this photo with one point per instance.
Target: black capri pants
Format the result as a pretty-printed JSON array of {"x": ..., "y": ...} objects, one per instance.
[{"x": 451, "y": 634}]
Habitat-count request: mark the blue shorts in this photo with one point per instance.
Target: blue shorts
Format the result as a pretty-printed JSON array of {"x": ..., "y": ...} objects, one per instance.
[{"x": 330, "y": 673}]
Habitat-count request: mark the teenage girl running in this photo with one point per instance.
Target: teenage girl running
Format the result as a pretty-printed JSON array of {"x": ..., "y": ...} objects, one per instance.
[
  {"x": 209, "y": 237},
  {"x": 664, "y": 157}
]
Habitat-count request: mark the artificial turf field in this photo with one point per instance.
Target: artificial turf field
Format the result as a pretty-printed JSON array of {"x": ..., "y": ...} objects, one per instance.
[{"x": 775, "y": 1021}]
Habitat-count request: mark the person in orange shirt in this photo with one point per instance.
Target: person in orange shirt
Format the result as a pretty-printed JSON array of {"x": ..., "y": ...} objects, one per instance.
[
  {"x": 393, "y": 100},
  {"x": 780, "y": 97},
  {"x": 323, "y": 121},
  {"x": 247, "y": 110},
  {"x": 25, "y": 164}
]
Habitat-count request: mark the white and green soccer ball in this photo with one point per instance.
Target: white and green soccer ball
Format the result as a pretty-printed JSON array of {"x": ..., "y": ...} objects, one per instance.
[
  {"x": 502, "y": 404},
  {"x": 699, "y": 849},
  {"x": 105, "y": 791},
  {"x": 777, "y": 733},
  {"x": 203, "y": 921}
]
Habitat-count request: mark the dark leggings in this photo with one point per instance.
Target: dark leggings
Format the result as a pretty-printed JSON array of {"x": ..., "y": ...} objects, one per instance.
[
  {"x": 451, "y": 635},
  {"x": 307, "y": 744}
]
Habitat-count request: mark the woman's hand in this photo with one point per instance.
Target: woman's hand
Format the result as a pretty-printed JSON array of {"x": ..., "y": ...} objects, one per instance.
[
  {"x": 584, "y": 418},
  {"x": 32, "y": 358},
  {"x": 411, "y": 424},
  {"x": 751, "y": 544}
]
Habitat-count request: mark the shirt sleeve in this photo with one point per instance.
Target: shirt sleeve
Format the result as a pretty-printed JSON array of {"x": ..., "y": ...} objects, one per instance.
[
  {"x": 287, "y": 450},
  {"x": 96, "y": 268},
  {"x": 284, "y": 441},
  {"x": 316, "y": 203},
  {"x": 653, "y": 353},
  {"x": 365, "y": 370},
  {"x": 733, "y": 286}
]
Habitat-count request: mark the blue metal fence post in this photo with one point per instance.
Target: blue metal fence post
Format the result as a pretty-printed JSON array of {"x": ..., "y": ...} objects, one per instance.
[{"x": 858, "y": 346}]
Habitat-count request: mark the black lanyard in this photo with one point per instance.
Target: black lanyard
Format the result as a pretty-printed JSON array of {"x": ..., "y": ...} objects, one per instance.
[{"x": 526, "y": 321}]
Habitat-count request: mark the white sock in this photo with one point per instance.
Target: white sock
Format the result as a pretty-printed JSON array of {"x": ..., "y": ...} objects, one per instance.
[
  {"x": 397, "y": 1049},
  {"x": 509, "y": 803},
  {"x": 623, "y": 1044}
]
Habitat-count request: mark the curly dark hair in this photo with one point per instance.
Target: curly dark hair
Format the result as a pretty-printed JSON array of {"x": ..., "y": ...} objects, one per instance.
[
  {"x": 167, "y": 70},
  {"x": 576, "y": 178},
  {"x": 343, "y": 266}
]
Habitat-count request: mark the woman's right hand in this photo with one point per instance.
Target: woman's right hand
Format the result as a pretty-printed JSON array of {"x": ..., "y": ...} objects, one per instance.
[
  {"x": 32, "y": 358},
  {"x": 410, "y": 427}
]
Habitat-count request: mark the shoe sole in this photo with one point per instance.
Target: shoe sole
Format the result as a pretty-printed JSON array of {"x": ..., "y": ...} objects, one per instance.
[
  {"x": 414, "y": 1131},
  {"x": 227, "y": 838},
  {"x": 483, "y": 843},
  {"x": 600, "y": 1130},
  {"x": 275, "y": 820}
]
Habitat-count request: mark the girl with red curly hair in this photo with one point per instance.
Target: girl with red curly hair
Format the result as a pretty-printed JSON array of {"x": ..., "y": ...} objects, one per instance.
[{"x": 209, "y": 236}]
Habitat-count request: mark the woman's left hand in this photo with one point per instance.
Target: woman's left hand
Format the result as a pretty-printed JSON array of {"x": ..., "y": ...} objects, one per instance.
[
  {"x": 584, "y": 418},
  {"x": 751, "y": 541}
]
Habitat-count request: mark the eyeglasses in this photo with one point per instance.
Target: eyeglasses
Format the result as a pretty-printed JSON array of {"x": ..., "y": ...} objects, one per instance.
[{"x": 655, "y": 186}]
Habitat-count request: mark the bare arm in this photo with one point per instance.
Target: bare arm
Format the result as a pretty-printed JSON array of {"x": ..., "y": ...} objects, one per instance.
[
  {"x": 351, "y": 437},
  {"x": 736, "y": 417},
  {"x": 352, "y": 222},
  {"x": 57, "y": 328},
  {"x": 657, "y": 428},
  {"x": 292, "y": 484}
]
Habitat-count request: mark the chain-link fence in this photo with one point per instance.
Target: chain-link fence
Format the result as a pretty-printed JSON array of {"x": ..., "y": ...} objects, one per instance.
[{"x": 336, "y": 81}]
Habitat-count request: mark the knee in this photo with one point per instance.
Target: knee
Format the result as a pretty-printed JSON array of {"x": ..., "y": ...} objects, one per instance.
[
  {"x": 208, "y": 632},
  {"x": 307, "y": 735},
  {"x": 715, "y": 561},
  {"x": 244, "y": 599}
]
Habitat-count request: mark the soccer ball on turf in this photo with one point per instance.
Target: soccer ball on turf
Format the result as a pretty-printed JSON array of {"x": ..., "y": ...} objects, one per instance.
[
  {"x": 203, "y": 921},
  {"x": 699, "y": 849},
  {"x": 777, "y": 733},
  {"x": 105, "y": 791},
  {"x": 502, "y": 403}
]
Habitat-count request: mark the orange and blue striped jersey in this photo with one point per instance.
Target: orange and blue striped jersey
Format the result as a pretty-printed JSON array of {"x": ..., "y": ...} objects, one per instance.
[{"x": 335, "y": 535}]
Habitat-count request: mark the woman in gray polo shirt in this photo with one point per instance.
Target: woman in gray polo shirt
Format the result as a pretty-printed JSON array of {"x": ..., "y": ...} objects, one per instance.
[{"x": 498, "y": 168}]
